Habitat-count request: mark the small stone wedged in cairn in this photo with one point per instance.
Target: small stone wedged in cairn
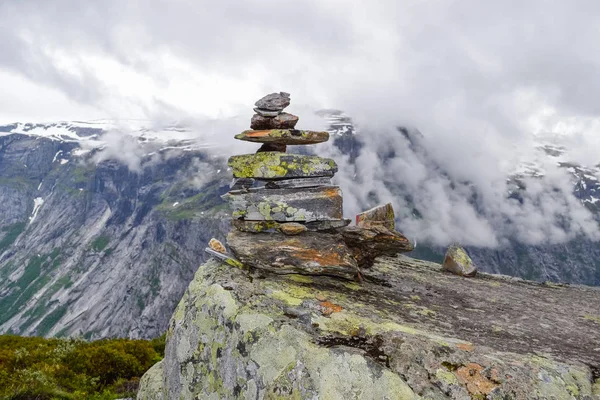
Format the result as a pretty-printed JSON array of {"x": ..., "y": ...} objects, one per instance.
[
  {"x": 377, "y": 216},
  {"x": 281, "y": 121},
  {"x": 309, "y": 253},
  {"x": 274, "y": 226},
  {"x": 299, "y": 183},
  {"x": 458, "y": 261},
  {"x": 272, "y": 147},
  {"x": 241, "y": 183},
  {"x": 227, "y": 259},
  {"x": 321, "y": 203},
  {"x": 267, "y": 113},
  {"x": 292, "y": 228},
  {"x": 216, "y": 245},
  {"x": 275, "y": 165},
  {"x": 284, "y": 136}
]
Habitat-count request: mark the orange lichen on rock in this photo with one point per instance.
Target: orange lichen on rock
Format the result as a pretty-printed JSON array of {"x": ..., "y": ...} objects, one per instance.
[
  {"x": 328, "y": 308},
  {"x": 477, "y": 384},
  {"x": 217, "y": 246},
  {"x": 465, "y": 346}
]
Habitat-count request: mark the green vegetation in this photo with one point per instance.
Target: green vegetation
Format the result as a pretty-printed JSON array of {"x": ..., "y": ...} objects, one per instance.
[
  {"x": 12, "y": 232},
  {"x": 68, "y": 369},
  {"x": 100, "y": 243},
  {"x": 207, "y": 201},
  {"x": 34, "y": 277}
]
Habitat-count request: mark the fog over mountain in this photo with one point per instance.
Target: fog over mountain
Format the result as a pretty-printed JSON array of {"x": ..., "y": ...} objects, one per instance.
[{"x": 485, "y": 84}]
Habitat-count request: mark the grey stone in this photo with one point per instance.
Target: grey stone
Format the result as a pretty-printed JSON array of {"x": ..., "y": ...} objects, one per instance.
[
  {"x": 299, "y": 183},
  {"x": 380, "y": 215},
  {"x": 226, "y": 258},
  {"x": 308, "y": 253},
  {"x": 458, "y": 261},
  {"x": 241, "y": 183},
  {"x": 266, "y": 113},
  {"x": 322, "y": 203},
  {"x": 281, "y": 121},
  {"x": 273, "y": 226},
  {"x": 274, "y": 101},
  {"x": 309, "y": 337},
  {"x": 375, "y": 241}
]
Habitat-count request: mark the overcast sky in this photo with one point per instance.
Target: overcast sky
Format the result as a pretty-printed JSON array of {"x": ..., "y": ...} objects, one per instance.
[{"x": 478, "y": 78}]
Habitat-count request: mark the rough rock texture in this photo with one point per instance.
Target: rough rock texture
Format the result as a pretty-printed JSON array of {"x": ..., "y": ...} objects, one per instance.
[
  {"x": 287, "y": 205},
  {"x": 266, "y": 113},
  {"x": 377, "y": 216},
  {"x": 426, "y": 333},
  {"x": 299, "y": 183},
  {"x": 369, "y": 243},
  {"x": 458, "y": 261},
  {"x": 308, "y": 253},
  {"x": 275, "y": 165},
  {"x": 281, "y": 121},
  {"x": 273, "y": 226},
  {"x": 266, "y": 147},
  {"x": 94, "y": 249},
  {"x": 274, "y": 101},
  {"x": 284, "y": 136},
  {"x": 292, "y": 228}
]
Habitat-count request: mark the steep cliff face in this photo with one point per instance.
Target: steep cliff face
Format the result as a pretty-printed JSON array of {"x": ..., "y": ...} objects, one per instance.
[
  {"x": 97, "y": 249},
  {"x": 409, "y": 331}
]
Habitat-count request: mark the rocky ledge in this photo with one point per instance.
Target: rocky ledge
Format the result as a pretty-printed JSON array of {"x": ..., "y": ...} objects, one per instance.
[{"x": 409, "y": 330}]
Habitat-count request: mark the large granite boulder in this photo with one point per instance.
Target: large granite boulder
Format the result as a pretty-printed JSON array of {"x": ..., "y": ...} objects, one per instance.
[{"x": 423, "y": 334}]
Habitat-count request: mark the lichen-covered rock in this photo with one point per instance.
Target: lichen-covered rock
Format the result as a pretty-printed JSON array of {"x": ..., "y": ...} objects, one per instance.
[
  {"x": 308, "y": 253},
  {"x": 276, "y": 165},
  {"x": 287, "y": 205},
  {"x": 424, "y": 334},
  {"x": 216, "y": 245},
  {"x": 284, "y": 136},
  {"x": 281, "y": 121},
  {"x": 458, "y": 261},
  {"x": 274, "y": 226},
  {"x": 369, "y": 243},
  {"x": 377, "y": 216}
]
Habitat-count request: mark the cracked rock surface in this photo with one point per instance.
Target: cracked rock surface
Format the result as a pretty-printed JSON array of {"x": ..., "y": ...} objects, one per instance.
[{"x": 409, "y": 330}]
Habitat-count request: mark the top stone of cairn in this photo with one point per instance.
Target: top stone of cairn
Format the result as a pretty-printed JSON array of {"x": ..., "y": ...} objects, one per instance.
[{"x": 274, "y": 102}]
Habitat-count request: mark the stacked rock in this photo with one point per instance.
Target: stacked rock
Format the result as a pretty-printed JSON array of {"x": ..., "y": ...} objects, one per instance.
[{"x": 287, "y": 215}]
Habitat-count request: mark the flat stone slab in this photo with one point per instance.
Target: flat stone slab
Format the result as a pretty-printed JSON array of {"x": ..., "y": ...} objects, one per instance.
[
  {"x": 283, "y": 136},
  {"x": 274, "y": 226},
  {"x": 287, "y": 205},
  {"x": 276, "y": 165},
  {"x": 370, "y": 243},
  {"x": 299, "y": 183},
  {"x": 308, "y": 253}
]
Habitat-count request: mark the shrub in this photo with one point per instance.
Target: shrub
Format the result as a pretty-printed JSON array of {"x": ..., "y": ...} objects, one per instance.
[{"x": 38, "y": 368}]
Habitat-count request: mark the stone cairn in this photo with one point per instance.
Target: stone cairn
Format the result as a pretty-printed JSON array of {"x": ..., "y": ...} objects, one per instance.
[{"x": 287, "y": 214}]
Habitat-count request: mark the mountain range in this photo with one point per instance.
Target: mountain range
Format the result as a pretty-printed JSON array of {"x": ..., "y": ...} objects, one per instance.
[{"x": 92, "y": 245}]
